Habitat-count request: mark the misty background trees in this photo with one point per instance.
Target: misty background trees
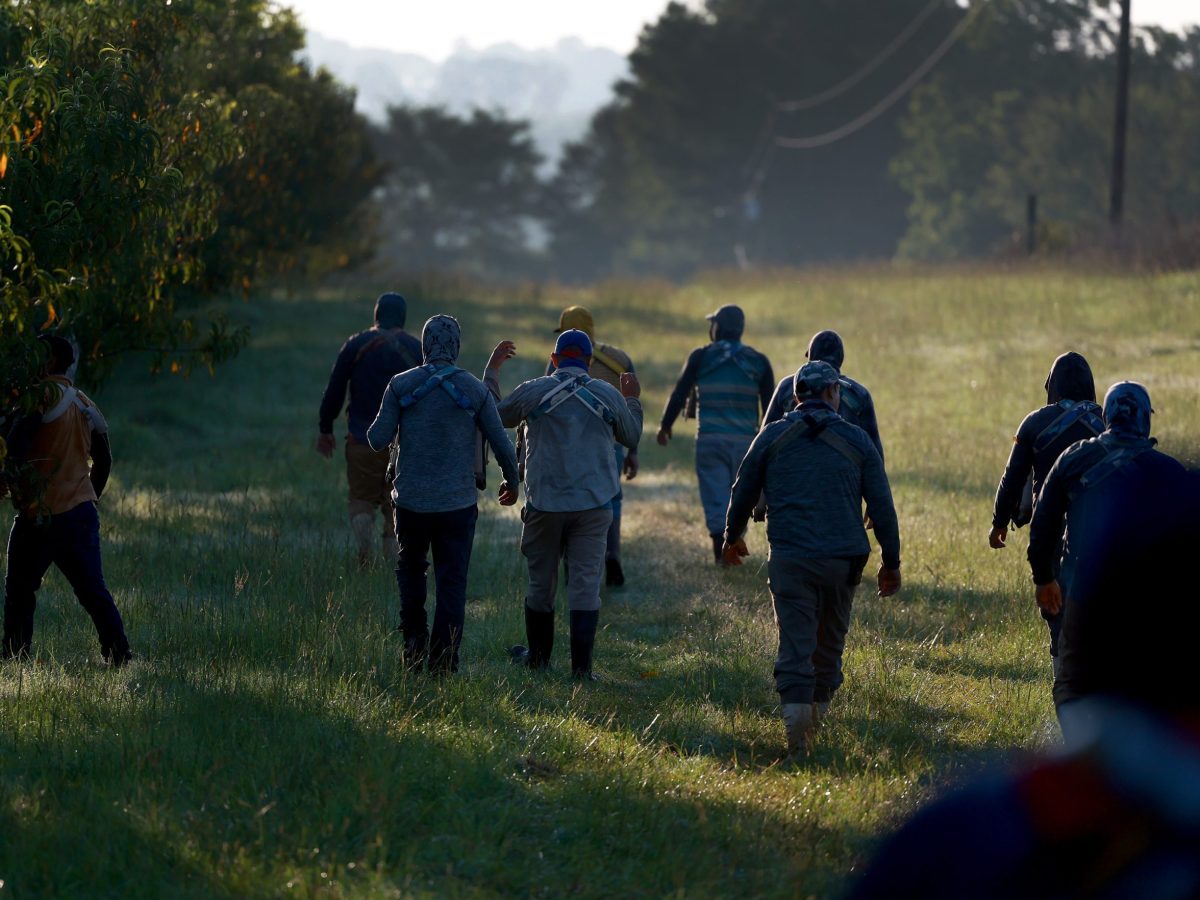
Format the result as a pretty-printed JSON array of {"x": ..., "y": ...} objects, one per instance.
[
  {"x": 154, "y": 155},
  {"x": 682, "y": 171}
]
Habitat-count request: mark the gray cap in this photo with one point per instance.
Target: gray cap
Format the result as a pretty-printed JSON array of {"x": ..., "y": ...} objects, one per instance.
[{"x": 814, "y": 377}]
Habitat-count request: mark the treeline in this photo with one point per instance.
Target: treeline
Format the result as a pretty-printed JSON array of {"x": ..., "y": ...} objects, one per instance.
[
  {"x": 683, "y": 169},
  {"x": 155, "y": 153},
  {"x": 152, "y": 154}
]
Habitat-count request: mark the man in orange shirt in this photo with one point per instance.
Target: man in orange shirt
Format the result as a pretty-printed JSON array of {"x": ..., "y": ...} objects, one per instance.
[{"x": 56, "y": 521}]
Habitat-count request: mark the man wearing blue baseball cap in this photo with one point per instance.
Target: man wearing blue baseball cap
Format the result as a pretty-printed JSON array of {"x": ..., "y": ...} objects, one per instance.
[
  {"x": 816, "y": 469},
  {"x": 729, "y": 380},
  {"x": 571, "y": 479}
]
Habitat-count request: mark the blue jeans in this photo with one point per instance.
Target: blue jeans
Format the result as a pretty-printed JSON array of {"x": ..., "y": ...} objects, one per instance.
[
  {"x": 450, "y": 536},
  {"x": 71, "y": 541},
  {"x": 718, "y": 457}
]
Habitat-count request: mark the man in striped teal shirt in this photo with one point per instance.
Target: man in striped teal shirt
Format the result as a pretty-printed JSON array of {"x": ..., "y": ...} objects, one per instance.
[{"x": 733, "y": 382}]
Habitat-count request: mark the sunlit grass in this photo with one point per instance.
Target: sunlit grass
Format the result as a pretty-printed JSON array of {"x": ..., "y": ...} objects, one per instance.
[{"x": 267, "y": 740}]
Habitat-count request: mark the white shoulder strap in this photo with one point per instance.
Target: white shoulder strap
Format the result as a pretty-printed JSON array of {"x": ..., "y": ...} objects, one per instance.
[{"x": 69, "y": 398}]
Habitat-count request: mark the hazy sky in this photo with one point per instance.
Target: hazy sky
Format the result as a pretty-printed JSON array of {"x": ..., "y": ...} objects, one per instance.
[{"x": 433, "y": 27}]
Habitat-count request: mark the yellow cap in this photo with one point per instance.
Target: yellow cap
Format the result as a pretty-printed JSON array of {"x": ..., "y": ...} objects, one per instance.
[{"x": 577, "y": 317}]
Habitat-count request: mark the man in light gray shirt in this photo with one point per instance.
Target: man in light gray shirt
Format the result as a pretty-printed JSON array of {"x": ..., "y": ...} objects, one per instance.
[
  {"x": 435, "y": 413},
  {"x": 571, "y": 479}
]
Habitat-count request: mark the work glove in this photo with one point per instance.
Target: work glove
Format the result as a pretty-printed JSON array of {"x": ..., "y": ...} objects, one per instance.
[
  {"x": 733, "y": 554},
  {"x": 888, "y": 581},
  {"x": 1049, "y": 597}
]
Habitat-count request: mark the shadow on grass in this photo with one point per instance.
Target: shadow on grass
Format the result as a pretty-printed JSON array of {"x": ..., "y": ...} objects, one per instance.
[{"x": 242, "y": 783}]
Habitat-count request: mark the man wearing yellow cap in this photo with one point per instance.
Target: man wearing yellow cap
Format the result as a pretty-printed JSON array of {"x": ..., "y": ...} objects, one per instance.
[{"x": 609, "y": 363}]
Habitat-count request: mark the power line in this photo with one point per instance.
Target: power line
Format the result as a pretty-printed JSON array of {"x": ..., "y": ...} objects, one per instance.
[
  {"x": 857, "y": 124},
  {"x": 842, "y": 86}
]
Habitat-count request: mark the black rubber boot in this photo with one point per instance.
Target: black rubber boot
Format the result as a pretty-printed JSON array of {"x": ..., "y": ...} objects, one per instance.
[
  {"x": 539, "y": 631},
  {"x": 117, "y": 653},
  {"x": 415, "y": 651},
  {"x": 718, "y": 541},
  {"x": 614, "y": 575},
  {"x": 583, "y": 641}
]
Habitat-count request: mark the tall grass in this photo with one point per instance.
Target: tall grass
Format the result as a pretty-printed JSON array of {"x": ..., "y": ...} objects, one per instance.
[{"x": 266, "y": 740}]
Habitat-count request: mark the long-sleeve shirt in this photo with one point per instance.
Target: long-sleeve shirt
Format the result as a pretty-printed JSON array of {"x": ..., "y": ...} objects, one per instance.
[
  {"x": 815, "y": 491},
  {"x": 68, "y": 446},
  {"x": 857, "y": 407},
  {"x": 569, "y": 462},
  {"x": 437, "y": 440},
  {"x": 1062, "y": 507},
  {"x": 730, "y": 392},
  {"x": 1023, "y": 459},
  {"x": 365, "y": 365}
]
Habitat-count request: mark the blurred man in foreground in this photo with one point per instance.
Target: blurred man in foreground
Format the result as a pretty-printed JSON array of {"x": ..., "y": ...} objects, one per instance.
[
  {"x": 731, "y": 380},
  {"x": 609, "y": 363},
  {"x": 571, "y": 478},
  {"x": 1075, "y": 500},
  {"x": 365, "y": 365},
  {"x": 1118, "y": 814},
  {"x": 57, "y": 522},
  {"x": 815, "y": 469},
  {"x": 435, "y": 414},
  {"x": 1070, "y": 415}
]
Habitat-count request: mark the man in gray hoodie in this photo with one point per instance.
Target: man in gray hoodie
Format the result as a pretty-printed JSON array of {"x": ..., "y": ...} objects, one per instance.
[
  {"x": 571, "y": 479},
  {"x": 816, "y": 469},
  {"x": 434, "y": 414}
]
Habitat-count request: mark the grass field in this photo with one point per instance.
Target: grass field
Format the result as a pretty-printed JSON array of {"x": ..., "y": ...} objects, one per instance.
[{"x": 267, "y": 742}]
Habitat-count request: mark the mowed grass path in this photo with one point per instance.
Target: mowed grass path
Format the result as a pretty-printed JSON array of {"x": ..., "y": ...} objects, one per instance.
[{"x": 266, "y": 741}]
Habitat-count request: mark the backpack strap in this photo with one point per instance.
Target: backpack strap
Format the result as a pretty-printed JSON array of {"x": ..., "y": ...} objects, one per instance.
[
  {"x": 735, "y": 355},
  {"x": 1112, "y": 462},
  {"x": 818, "y": 429},
  {"x": 568, "y": 389},
  {"x": 1082, "y": 411},
  {"x": 851, "y": 398},
  {"x": 607, "y": 361},
  {"x": 438, "y": 378},
  {"x": 69, "y": 398},
  {"x": 385, "y": 338}
]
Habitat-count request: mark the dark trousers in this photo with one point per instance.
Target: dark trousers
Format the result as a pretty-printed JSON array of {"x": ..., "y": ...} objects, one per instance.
[
  {"x": 71, "y": 541},
  {"x": 812, "y": 610},
  {"x": 450, "y": 536}
]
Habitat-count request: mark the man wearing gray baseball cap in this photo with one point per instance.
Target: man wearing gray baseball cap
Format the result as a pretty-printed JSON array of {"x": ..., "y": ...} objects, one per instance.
[{"x": 816, "y": 470}]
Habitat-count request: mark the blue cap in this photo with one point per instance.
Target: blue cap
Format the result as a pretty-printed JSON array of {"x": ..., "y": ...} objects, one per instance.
[{"x": 574, "y": 339}]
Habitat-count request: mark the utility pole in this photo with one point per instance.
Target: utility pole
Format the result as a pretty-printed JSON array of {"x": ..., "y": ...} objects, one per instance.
[{"x": 1116, "y": 196}]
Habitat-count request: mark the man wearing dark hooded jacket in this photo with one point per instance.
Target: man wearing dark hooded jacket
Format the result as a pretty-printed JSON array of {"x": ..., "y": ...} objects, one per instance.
[
  {"x": 435, "y": 413},
  {"x": 571, "y": 479},
  {"x": 816, "y": 469},
  {"x": 731, "y": 380},
  {"x": 1070, "y": 415},
  {"x": 856, "y": 407},
  {"x": 365, "y": 364},
  {"x": 1079, "y": 483}
]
